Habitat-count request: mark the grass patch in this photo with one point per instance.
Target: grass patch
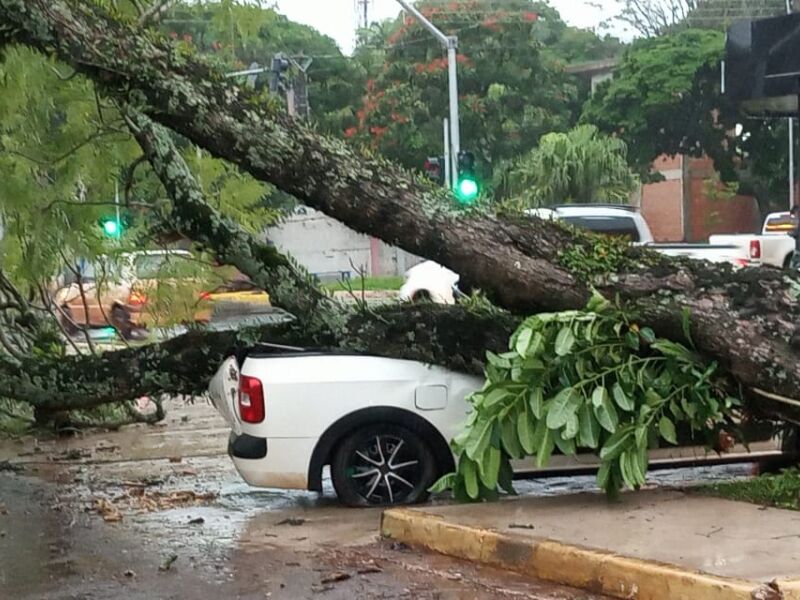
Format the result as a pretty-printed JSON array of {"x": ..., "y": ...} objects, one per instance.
[
  {"x": 370, "y": 284},
  {"x": 780, "y": 491}
]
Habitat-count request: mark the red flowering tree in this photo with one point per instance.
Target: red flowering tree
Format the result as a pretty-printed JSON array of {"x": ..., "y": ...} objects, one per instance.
[{"x": 512, "y": 83}]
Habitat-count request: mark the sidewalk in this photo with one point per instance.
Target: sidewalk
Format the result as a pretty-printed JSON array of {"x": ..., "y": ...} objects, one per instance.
[{"x": 652, "y": 545}]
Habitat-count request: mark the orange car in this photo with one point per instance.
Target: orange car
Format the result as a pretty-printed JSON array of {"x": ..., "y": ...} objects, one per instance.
[{"x": 151, "y": 289}]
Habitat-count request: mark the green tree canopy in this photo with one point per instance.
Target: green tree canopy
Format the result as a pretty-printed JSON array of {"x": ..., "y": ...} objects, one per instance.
[
  {"x": 239, "y": 33},
  {"x": 512, "y": 83},
  {"x": 582, "y": 165},
  {"x": 665, "y": 99}
]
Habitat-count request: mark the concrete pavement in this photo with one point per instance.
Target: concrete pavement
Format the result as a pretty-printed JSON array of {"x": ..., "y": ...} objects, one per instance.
[{"x": 652, "y": 545}]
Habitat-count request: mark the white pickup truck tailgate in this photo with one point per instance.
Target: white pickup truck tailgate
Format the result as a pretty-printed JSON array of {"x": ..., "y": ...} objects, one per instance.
[{"x": 224, "y": 393}]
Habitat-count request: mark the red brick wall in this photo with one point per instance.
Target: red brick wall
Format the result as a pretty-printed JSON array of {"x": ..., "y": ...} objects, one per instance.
[
  {"x": 662, "y": 205},
  {"x": 713, "y": 215}
]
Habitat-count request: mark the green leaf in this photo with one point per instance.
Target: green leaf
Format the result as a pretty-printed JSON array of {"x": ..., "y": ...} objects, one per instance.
[
  {"x": 616, "y": 444},
  {"x": 506, "y": 477},
  {"x": 641, "y": 436},
  {"x": 526, "y": 432},
  {"x": 648, "y": 335},
  {"x": 599, "y": 396},
  {"x": 479, "y": 440},
  {"x": 495, "y": 396},
  {"x": 497, "y": 361},
  {"x": 632, "y": 340},
  {"x": 624, "y": 467},
  {"x": 545, "y": 448},
  {"x": 667, "y": 430},
  {"x": 523, "y": 342},
  {"x": 589, "y": 431},
  {"x": 537, "y": 401},
  {"x": 673, "y": 350},
  {"x": 597, "y": 303},
  {"x": 565, "y": 340},
  {"x": 653, "y": 399},
  {"x": 490, "y": 467},
  {"x": 509, "y": 437},
  {"x": 603, "y": 474},
  {"x": 607, "y": 415},
  {"x": 571, "y": 428},
  {"x": 566, "y": 446},
  {"x": 467, "y": 468},
  {"x": 444, "y": 483},
  {"x": 621, "y": 398},
  {"x": 564, "y": 405}
]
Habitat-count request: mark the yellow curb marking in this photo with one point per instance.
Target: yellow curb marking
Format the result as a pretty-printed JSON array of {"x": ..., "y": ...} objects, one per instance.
[{"x": 593, "y": 570}]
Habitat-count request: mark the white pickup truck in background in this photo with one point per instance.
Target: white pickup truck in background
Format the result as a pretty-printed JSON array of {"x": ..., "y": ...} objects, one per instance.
[
  {"x": 432, "y": 282},
  {"x": 775, "y": 246}
]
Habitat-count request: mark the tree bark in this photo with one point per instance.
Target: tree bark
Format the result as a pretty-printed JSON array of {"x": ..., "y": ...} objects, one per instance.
[{"x": 744, "y": 319}]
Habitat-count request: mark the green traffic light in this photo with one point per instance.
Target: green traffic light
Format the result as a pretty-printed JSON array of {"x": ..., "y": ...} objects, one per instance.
[
  {"x": 467, "y": 191},
  {"x": 111, "y": 228}
]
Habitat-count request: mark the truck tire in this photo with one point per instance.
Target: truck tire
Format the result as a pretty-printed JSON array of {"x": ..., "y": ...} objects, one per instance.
[
  {"x": 383, "y": 465},
  {"x": 422, "y": 297}
]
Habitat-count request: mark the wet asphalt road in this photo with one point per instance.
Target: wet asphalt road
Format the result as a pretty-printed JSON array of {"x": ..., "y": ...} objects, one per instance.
[
  {"x": 239, "y": 542},
  {"x": 229, "y": 540}
]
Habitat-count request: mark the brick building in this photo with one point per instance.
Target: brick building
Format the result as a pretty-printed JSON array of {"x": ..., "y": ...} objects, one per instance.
[{"x": 684, "y": 207}]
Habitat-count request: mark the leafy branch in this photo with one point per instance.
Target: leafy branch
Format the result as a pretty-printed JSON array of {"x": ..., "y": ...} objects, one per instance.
[{"x": 584, "y": 381}]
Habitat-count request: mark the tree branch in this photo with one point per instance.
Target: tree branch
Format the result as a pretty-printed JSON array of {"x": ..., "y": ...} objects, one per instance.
[{"x": 155, "y": 12}]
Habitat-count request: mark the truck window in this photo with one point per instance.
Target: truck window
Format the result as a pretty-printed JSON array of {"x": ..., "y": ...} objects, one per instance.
[
  {"x": 781, "y": 224},
  {"x": 624, "y": 227}
]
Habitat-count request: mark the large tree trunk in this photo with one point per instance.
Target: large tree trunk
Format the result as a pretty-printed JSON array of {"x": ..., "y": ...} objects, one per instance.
[{"x": 745, "y": 319}]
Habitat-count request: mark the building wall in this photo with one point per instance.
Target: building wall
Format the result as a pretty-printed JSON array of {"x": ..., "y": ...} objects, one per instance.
[
  {"x": 662, "y": 202},
  {"x": 684, "y": 208},
  {"x": 329, "y": 249}
]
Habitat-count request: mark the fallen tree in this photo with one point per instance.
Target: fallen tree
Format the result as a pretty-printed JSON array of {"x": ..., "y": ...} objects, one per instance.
[{"x": 746, "y": 320}]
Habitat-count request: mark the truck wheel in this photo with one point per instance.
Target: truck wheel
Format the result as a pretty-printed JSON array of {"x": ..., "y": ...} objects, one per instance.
[
  {"x": 383, "y": 465},
  {"x": 121, "y": 320},
  {"x": 422, "y": 297}
]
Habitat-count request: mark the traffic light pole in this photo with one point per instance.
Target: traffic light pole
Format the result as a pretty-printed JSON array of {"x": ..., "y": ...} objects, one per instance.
[
  {"x": 450, "y": 42},
  {"x": 448, "y": 163},
  {"x": 792, "y": 190}
]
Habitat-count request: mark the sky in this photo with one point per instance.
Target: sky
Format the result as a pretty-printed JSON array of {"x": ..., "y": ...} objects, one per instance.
[{"x": 337, "y": 18}]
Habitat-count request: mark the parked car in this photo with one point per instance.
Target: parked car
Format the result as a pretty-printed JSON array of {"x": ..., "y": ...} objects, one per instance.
[
  {"x": 381, "y": 424},
  {"x": 433, "y": 282},
  {"x": 146, "y": 289},
  {"x": 775, "y": 246}
]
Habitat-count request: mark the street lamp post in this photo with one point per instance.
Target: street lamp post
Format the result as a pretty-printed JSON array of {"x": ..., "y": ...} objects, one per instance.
[
  {"x": 791, "y": 140},
  {"x": 450, "y": 42}
]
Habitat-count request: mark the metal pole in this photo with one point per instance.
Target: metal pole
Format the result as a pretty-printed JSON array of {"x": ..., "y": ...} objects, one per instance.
[
  {"x": 447, "y": 180},
  {"x": 116, "y": 204},
  {"x": 455, "y": 129},
  {"x": 451, "y": 43},
  {"x": 791, "y": 140},
  {"x": 791, "y": 164}
]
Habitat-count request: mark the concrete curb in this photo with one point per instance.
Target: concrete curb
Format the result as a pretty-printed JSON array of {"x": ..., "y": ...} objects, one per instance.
[{"x": 593, "y": 570}]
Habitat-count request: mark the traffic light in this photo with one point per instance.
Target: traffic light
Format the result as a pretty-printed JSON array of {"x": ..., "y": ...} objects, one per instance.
[
  {"x": 467, "y": 189},
  {"x": 434, "y": 169},
  {"x": 113, "y": 227}
]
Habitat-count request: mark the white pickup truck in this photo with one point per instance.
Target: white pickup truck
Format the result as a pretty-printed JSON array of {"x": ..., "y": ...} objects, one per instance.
[
  {"x": 433, "y": 282},
  {"x": 775, "y": 246},
  {"x": 381, "y": 424}
]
